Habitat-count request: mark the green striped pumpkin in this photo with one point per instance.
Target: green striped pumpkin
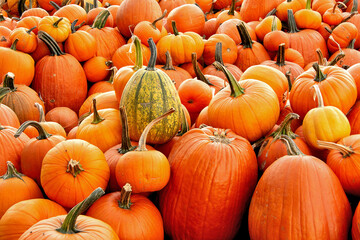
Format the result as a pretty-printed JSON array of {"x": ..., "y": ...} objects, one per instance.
[{"x": 149, "y": 94}]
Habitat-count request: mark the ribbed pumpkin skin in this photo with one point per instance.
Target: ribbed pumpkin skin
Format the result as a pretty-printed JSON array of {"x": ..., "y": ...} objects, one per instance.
[
  {"x": 299, "y": 197},
  {"x": 146, "y": 96},
  {"x": 355, "y": 229},
  {"x": 22, "y": 215},
  {"x": 207, "y": 193},
  {"x": 8, "y": 117}
]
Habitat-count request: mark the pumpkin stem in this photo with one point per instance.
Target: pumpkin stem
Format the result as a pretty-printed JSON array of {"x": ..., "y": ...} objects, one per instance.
[
  {"x": 138, "y": 53},
  {"x": 291, "y": 22},
  {"x": 308, "y": 4},
  {"x": 232, "y": 8},
  {"x": 291, "y": 147},
  {"x": 184, "y": 124},
  {"x": 3, "y": 39},
  {"x": 288, "y": 77},
  {"x": 56, "y": 24},
  {"x": 113, "y": 72},
  {"x": 346, "y": 151},
  {"x": 199, "y": 75},
  {"x": 246, "y": 40},
  {"x": 108, "y": 63},
  {"x": 280, "y": 59},
  {"x": 9, "y": 81},
  {"x": 320, "y": 76},
  {"x": 153, "y": 24},
  {"x": 354, "y": 8},
  {"x": 73, "y": 24},
  {"x": 142, "y": 140},
  {"x": 69, "y": 224},
  {"x": 74, "y": 167},
  {"x": 50, "y": 43},
  {"x": 13, "y": 45},
  {"x": 218, "y": 53},
  {"x": 168, "y": 64},
  {"x": 30, "y": 30},
  {"x": 43, "y": 134},
  {"x": 11, "y": 172},
  {"x": 125, "y": 195},
  {"x": 318, "y": 95},
  {"x": 351, "y": 44},
  {"x": 2, "y": 18},
  {"x": 274, "y": 24},
  {"x": 95, "y": 3},
  {"x": 41, "y": 112},
  {"x": 173, "y": 25},
  {"x": 272, "y": 12},
  {"x": 321, "y": 59},
  {"x": 97, "y": 118},
  {"x": 236, "y": 89},
  {"x": 153, "y": 55},
  {"x": 22, "y": 7},
  {"x": 221, "y": 137},
  {"x": 57, "y": 7},
  {"x": 101, "y": 19},
  {"x": 88, "y": 7},
  {"x": 337, "y": 58},
  {"x": 125, "y": 138}
]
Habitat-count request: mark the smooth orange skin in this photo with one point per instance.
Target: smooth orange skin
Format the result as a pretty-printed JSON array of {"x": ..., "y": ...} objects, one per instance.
[
  {"x": 54, "y": 177},
  {"x": 9, "y": 23},
  {"x": 121, "y": 78},
  {"x": 295, "y": 5},
  {"x": 253, "y": 10},
  {"x": 72, "y": 12},
  {"x": 355, "y": 229},
  {"x": 324, "y": 33},
  {"x": 229, "y": 28},
  {"x": 333, "y": 18},
  {"x": 322, "y": 5},
  {"x": 273, "y": 39},
  {"x": 355, "y": 73},
  {"x": 27, "y": 42},
  {"x": 286, "y": 202},
  {"x": 343, "y": 34},
  {"x": 264, "y": 27},
  {"x": 352, "y": 57},
  {"x": 234, "y": 70},
  {"x": 36, "y": 12},
  {"x": 354, "y": 118},
  {"x": 96, "y": 69},
  {"x": 308, "y": 19},
  {"x": 146, "y": 171},
  {"x": 247, "y": 57},
  {"x": 143, "y": 218},
  {"x": 90, "y": 228},
  {"x": 338, "y": 89},
  {"x": 5, "y": 37},
  {"x": 101, "y": 87},
  {"x": 42, "y": 50},
  {"x": 169, "y": 5},
  {"x": 8, "y": 117},
  {"x": 60, "y": 33},
  {"x": 144, "y": 30},
  {"x": 178, "y": 75},
  {"x": 103, "y": 100},
  {"x": 224, "y": 16},
  {"x": 92, "y": 14},
  {"x": 126, "y": 55},
  {"x": 229, "y": 49},
  {"x": 193, "y": 205},
  {"x": 188, "y": 18},
  {"x": 66, "y": 117},
  {"x": 294, "y": 56},
  {"x": 29, "y": 22},
  {"x": 194, "y": 95},
  {"x": 82, "y": 45},
  {"x": 22, "y": 215}
]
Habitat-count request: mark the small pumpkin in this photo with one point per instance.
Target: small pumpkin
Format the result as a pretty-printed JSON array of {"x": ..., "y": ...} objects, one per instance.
[
  {"x": 308, "y": 18},
  {"x": 58, "y": 28},
  {"x": 66, "y": 117}
]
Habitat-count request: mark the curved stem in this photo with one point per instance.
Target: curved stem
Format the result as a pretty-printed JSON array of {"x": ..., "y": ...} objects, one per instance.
[
  {"x": 125, "y": 195},
  {"x": 50, "y": 43},
  {"x": 153, "y": 56},
  {"x": 320, "y": 76},
  {"x": 125, "y": 138},
  {"x": 173, "y": 25},
  {"x": 236, "y": 89},
  {"x": 41, "y": 112},
  {"x": 184, "y": 124},
  {"x": 57, "y": 7},
  {"x": 113, "y": 73},
  {"x": 354, "y": 8},
  {"x": 22, "y": 7},
  {"x": 280, "y": 58},
  {"x": 321, "y": 59},
  {"x": 346, "y": 151},
  {"x": 218, "y": 53},
  {"x": 73, "y": 24},
  {"x": 13, "y": 45},
  {"x": 318, "y": 95},
  {"x": 351, "y": 44},
  {"x": 108, "y": 63},
  {"x": 272, "y": 12},
  {"x": 56, "y": 24},
  {"x": 30, "y": 30},
  {"x": 97, "y": 118},
  {"x": 246, "y": 40},
  {"x": 285, "y": 126},
  {"x": 291, "y": 146},
  {"x": 142, "y": 140},
  {"x": 153, "y": 24},
  {"x": 274, "y": 24},
  {"x": 43, "y": 134},
  {"x": 199, "y": 75},
  {"x": 336, "y": 59},
  {"x": 232, "y": 8},
  {"x": 69, "y": 224},
  {"x": 9, "y": 81},
  {"x": 11, "y": 172},
  {"x": 168, "y": 64},
  {"x": 101, "y": 19},
  {"x": 138, "y": 54},
  {"x": 291, "y": 22}
]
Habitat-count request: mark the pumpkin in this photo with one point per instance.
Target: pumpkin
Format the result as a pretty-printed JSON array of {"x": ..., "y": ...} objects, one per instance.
[
  {"x": 66, "y": 117},
  {"x": 209, "y": 28},
  {"x": 244, "y": 96},
  {"x": 102, "y": 128},
  {"x": 266, "y": 26},
  {"x": 96, "y": 69},
  {"x": 94, "y": 12},
  {"x": 20, "y": 98},
  {"x": 333, "y": 16},
  {"x": 220, "y": 177},
  {"x": 7, "y": 22},
  {"x": 322, "y": 5},
  {"x": 323, "y": 30},
  {"x": 42, "y": 50},
  {"x": 77, "y": 164},
  {"x": 229, "y": 50},
  {"x": 46, "y": 4},
  {"x": 35, "y": 149},
  {"x": 336, "y": 85},
  {"x": 104, "y": 86},
  {"x": 292, "y": 55},
  {"x": 72, "y": 12},
  {"x": 354, "y": 71},
  {"x": 146, "y": 170},
  {"x": 227, "y": 14},
  {"x": 282, "y": 8},
  {"x": 148, "y": 94},
  {"x": 57, "y": 27},
  {"x": 73, "y": 224},
  {"x": 254, "y": 9},
  {"x": 22, "y": 215},
  {"x": 121, "y": 211},
  {"x": 229, "y": 28},
  {"x": 21, "y": 64},
  {"x": 188, "y": 18},
  {"x": 5, "y": 37},
  {"x": 131, "y": 12},
  {"x": 287, "y": 196},
  {"x": 103, "y": 100},
  {"x": 324, "y": 123},
  {"x": 54, "y": 84},
  {"x": 26, "y": 11},
  {"x": 126, "y": 56},
  {"x": 342, "y": 35},
  {"x": 352, "y": 56},
  {"x": 308, "y": 18},
  {"x": 16, "y": 187},
  {"x": 13, "y": 6},
  {"x": 8, "y": 117},
  {"x": 29, "y": 22},
  {"x": 355, "y": 231},
  {"x": 80, "y": 44},
  {"x": 273, "y": 39}
]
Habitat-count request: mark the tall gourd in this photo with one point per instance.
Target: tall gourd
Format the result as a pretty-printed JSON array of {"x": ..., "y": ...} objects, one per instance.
[{"x": 148, "y": 94}]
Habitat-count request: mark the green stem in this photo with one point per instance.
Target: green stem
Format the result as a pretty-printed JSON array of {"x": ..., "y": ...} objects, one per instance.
[
  {"x": 337, "y": 58},
  {"x": 125, "y": 138},
  {"x": 246, "y": 40},
  {"x": 57, "y": 7},
  {"x": 168, "y": 64},
  {"x": 346, "y": 151},
  {"x": 184, "y": 124},
  {"x": 125, "y": 195},
  {"x": 101, "y": 19},
  {"x": 153, "y": 56},
  {"x": 11, "y": 172},
  {"x": 113, "y": 73},
  {"x": 272, "y": 12},
  {"x": 9, "y": 81},
  {"x": 236, "y": 89},
  {"x": 320, "y": 76},
  {"x": 22, "y": 7},
  {"x": 321, "y": 59},
  {"x": 280, "y": 58},
  {"x": 138, "y": 53},
  {"x": 30, "y": 30},
  {"x": 13, "y": 45},
  {"x": 308, "y": 4},
  {"x": 69, "y": 224},
  {"x": 232, "y": 8},
  {"x": 288, "y": 77},
  {"x": 218, "y": 53},
  {"x": 354, "y": 8},
  {"x": 199, "y": 75},
  {"x": 351, "y": 44},
  {"x": 291, "y": 147},
  {"x": 97, "y": 118},
  {"x": 50, "y": 43},
  {"x": 153, "y": 24},
  {"x": 43, "y": 134},
  {"x": 56, "y": 24},
  {"x": 142, "y": 140},
  {"x": 173, "y": 25},
  {"x": 73, "y": 24},
  {"x": 2, "y": 18},
  {"x": 95, "y": 3},
  {"x": 291, "y": 22}
]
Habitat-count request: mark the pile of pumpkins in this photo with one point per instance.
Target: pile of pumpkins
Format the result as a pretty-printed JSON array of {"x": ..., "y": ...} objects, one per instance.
[{"x": 181, "y": 119}]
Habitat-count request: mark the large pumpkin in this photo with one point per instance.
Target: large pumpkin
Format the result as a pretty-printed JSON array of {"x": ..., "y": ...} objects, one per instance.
[
  {"x": 148, "y": 94},
  {"x": 207, "y": 201},
  {"x": 252, "y": 10}
]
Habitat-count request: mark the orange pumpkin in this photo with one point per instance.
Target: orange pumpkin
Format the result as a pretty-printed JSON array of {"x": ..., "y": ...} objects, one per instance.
[
  {"x": 8, "y": 117},
  {"x": 66, "y": 117},
  {"x": 188, "y": 18},
  {"x": 229, "y": 50},
  {"x": 58, "y": 28}
]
